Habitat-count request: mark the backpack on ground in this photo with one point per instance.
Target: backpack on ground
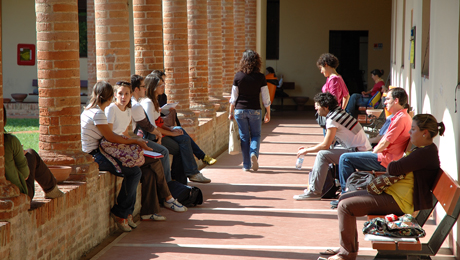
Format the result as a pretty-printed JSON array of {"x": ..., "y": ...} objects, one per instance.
[
  {"x": 330, "y": 189},
  {"x": 189, "y": 196}
]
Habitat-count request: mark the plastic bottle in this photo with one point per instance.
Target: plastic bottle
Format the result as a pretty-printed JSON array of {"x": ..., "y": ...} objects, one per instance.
[{"x": 298, "y": 164}]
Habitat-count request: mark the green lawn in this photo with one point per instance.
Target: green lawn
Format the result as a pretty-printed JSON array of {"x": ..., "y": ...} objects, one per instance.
[{"x": 28, "y": 140}]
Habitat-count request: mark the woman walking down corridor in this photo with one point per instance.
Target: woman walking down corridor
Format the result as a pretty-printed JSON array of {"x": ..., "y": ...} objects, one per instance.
[{"x": 248, "y": 84}]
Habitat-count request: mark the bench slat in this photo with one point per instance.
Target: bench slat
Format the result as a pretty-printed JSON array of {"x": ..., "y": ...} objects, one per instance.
[
  {"x": 383, "y": 245},
  {"x": 447, "y": 191}
]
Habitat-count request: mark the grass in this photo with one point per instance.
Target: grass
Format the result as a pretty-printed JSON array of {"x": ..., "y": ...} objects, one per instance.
[{"x": 28, "y": 140}]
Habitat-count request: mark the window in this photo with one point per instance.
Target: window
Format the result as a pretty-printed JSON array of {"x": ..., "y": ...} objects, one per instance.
[
  {"x": 426, "y": 16},
  {"x": 273, "y": 30}
]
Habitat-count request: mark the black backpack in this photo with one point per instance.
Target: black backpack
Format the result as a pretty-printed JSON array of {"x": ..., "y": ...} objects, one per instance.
[
  {"x": 330, "y": 189},
  {"x": 188, "y": 196}
]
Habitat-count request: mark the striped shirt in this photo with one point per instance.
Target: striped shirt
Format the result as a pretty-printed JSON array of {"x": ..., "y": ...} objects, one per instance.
[{"x": 90, "y": 134}]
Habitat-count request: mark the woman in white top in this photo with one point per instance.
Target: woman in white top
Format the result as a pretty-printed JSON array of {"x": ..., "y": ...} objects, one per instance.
[
  {"x": 153, "y": 178},
  {"x": 94, "y": 127},
  {"x": 154, "y": 87}
]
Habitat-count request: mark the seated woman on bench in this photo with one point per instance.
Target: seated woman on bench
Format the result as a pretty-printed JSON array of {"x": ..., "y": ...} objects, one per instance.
[{"x": 420, "y": 167}]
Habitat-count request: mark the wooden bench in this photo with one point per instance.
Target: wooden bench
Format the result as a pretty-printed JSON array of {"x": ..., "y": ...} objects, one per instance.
[
  {"x": 83, "y": 84},
  {"x": 446, "y": 192}
]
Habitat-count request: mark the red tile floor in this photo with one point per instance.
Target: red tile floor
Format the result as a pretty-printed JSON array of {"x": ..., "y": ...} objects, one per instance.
[{"x": 247, "y": 215}]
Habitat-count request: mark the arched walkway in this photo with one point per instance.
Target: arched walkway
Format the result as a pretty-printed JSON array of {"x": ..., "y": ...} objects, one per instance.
[{"x": 247, "y": 215}]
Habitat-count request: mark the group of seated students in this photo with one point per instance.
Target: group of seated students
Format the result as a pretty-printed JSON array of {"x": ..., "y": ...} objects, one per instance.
[
  {"x": 104, "y": 121},
  {"x": 352, "y": 151}
]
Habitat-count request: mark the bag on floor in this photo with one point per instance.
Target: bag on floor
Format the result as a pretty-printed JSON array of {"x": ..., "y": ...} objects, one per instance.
[
  {"x": 188, "y": 196},
  {"x": 330, "y": 190}
]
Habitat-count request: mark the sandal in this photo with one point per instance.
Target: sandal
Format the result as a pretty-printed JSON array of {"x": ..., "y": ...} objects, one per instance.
[{"x": 329, "y": 252}]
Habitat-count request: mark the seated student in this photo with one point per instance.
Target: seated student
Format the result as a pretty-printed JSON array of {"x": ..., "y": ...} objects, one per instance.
[
  {"x": 23, "y": 167},
  {"x": 272, "y": 82},
  {"x": 162, "y": 100},
  {"x": 153, "y": 178},
  {"x": 361, "y": 99},
  {"x": 94, "y": 127},
  {"x": 171, "y": 135},
  {"x": 420, "y": 167},
  {"x": 390, "y": 148},
  {"x": 340, "y": 126}
]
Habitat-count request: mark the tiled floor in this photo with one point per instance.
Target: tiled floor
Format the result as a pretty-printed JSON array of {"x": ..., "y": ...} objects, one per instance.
[{"x": 247, "y": 215}]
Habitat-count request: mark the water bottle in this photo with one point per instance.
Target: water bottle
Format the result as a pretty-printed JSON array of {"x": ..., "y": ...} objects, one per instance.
[{"x": 298, "y": 164}]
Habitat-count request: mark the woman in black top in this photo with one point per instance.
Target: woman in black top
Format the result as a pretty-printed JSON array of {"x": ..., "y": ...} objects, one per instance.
[{"x": 245, "y": 103}]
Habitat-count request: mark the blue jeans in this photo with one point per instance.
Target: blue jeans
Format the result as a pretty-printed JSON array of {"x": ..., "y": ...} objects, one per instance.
[
  {"x": 364, "y": 161},
  {"x": 356, "y": 99},
  {"x": 127, "y": 196},
  {"x": 199, "y": 154},
  {"x": 249, "y": 124},
  {"x": 186, "y": 152},
  {"x": 165, "y": 160}
]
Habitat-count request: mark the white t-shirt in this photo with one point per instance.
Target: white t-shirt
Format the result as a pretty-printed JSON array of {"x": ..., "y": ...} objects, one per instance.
[
  {"x": 149, "y": 109},
  {"x": 137, "y": 112},
  {"x": 119, "y": 119},
  {"x": 347, "y": 138},
  {"x": 90, "y": 134}
]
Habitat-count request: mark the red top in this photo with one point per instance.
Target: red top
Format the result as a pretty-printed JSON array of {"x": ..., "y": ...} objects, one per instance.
[
  {"x": 336, "y": 86},
  {"x": 377, "y": 87},
  {"x": 398, "y": 136}
]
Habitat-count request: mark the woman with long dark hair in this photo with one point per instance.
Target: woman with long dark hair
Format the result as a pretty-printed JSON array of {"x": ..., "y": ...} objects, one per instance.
[{"x": 248, "y": 84}]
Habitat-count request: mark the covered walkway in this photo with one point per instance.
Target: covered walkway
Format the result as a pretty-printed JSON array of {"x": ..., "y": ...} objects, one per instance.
[{"x": 248, "y": 215}]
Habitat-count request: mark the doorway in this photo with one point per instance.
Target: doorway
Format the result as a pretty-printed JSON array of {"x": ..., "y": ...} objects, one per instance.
[{"x": 351, "y": 48}]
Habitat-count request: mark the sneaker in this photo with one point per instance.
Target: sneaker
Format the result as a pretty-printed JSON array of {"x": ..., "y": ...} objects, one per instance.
[
  {"x": 334, "y": 204},
  {"x": 209, "y": 160},
  {"x": 156, "y": 217},
  {"x": 55, "y": 193},
  {"x": 255, "y": 162},
  {"x": 307, "y": 195},
  {"x": 246, "y": 170},
  {"x": 131, "y": 221},
  {"x": 122, "y": 223},
  {"x": 199, "y": 178},
  {"x": 175, "y": 206}
]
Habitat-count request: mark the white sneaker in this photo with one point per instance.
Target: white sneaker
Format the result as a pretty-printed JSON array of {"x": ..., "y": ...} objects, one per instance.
[
  {"x": 199, "y": 178},
  {"x": 255, "y": 162},
  {"x": 246, "y": 170},
  {"x": 175, "y": 206},
  {"x": 156, "y": 217},
  {"x": 307, "y": 195}
]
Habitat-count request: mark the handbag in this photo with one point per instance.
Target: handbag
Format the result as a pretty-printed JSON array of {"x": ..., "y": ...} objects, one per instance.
[
  {"x": 359, "y": 181},
  {"x": 234, "y": 144},
  {"x": 130, "y": 155},
  {"x": 382, "y": 182},
  {"x": 170, "y": 119}
]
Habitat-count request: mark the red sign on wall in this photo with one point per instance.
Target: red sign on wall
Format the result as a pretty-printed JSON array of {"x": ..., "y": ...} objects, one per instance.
[{"x": 26, "y": 54}]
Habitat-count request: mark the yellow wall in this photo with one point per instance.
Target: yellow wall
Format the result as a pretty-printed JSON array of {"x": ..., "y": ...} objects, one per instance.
[{"x": 304, "y": 36}]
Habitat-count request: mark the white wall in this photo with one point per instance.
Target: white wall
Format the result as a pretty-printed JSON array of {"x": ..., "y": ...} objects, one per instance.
[
  {"x": 18, "y": 26},
  {"x": 304, "y": 36}
]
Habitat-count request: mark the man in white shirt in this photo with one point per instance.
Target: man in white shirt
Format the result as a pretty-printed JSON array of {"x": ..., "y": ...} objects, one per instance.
[{"x": 340, "y": 127}]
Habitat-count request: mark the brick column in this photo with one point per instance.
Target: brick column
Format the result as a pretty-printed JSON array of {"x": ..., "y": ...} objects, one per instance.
[
  {"x": 59, "y": 83},
  {"x": 239, "y": 31},
  {"x": 176, "y": 59},
  {"x": 198, "y": 57},
  {"x": 112, "y": 40},
  {"x": 215, "y": 87},
  {"x": 148, "y": 36},
  {"x": 7, "y": 190},
  {"x": 91, "y": 40},
  {"x": 228, "y": 55},
  {"x": 251, "y": 24}
]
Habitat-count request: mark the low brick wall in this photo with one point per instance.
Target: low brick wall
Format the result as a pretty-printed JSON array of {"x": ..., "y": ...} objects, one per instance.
[
  {"x": 70, "y": 226},
  {"x": 22, "y": 110}
]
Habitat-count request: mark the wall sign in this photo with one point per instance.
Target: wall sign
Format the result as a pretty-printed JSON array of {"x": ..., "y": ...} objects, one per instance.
[
  {"x": 26, "y": 54},
  {"x": 412, "y": 48}
]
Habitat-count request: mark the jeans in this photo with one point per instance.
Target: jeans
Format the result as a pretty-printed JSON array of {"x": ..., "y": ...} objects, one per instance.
[
  {"x": 199, "y": 154},
  {"x": 364, "y": 161},
  {"x": 186, "y": 152},
  {"x": 165, "y": 160},
  {"x": 356, "y": 99},
  {"x": 127, "y": 195},
  {"x": 249, "y": 124}
]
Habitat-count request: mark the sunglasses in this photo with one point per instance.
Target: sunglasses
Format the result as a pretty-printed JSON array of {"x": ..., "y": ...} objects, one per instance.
[{"x": 123, "y": 83}]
